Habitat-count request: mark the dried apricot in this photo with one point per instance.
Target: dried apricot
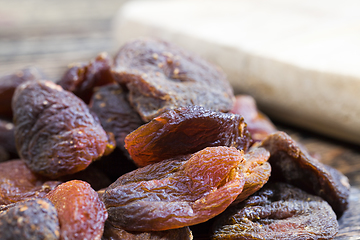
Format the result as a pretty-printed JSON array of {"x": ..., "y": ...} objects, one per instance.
[
  {"x": 184, "y": 131},
  {"x": 175, "y": 193},
  {"x": 30, "y": 220},
  {"x": 256, "y": 172},
  {"x": 81, "y": 213},
  {"x": 55, "y": 132},
  {"x": 82, "y": 78},
  {"x": 278, "y": 211},
  {"x": 294, "y": 165},
  {"x": 18, "y": 182},
  {"x": 115, "y": 112},
  {"x": 161, "y": 77}
]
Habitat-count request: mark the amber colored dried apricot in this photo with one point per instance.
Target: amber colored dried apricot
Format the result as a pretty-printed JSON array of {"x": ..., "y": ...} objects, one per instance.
[
  {"x": 184, "y": 131},
  {"x": 294, "y": 165},
  {"x": 82, "y": 78},
  {"x": 114, "y": 233},
  {"x": 81, "y": 213},
  {"x": 29, "y": 220},
  {"x": 278, "y": 211},
  {"x": 173, "y": 194},
  {"x": 161, "y": 76},
  {"x": 256, "y": 172},
  {"x": 18, "y": 182},
  {"x": 259, "y": 125},
  {"x": 55, "y": 132}
]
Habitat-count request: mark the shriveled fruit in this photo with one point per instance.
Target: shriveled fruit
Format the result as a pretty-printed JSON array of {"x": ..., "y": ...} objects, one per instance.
[
  {"x": 30, "y": 220},
  {"x": 82, "y": 78},
  {"x": 18, "y": 182},
  {"x": 8, "y": 84},
  {"x": 114, "y": 233},
  {"x": 259, "y": 125},
  {"x": 173, "y": 194},
  {"x": 55, "y": 132},
  {"x": 184, "y": 131},
  {"x": 292, "y": 164},
  {"x": 256, "y": 172},
  {"x": 278, "y": 211},
  {"x": 81, "y": 213},
  {"x": 115, "y": 112},
  {"x": 161, "y": 76}
]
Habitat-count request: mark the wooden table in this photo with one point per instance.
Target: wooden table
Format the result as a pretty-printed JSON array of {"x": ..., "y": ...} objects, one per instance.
[{"x": 52, "y": 34}]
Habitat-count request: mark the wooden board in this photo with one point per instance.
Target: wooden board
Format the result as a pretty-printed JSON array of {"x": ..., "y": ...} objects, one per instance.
[{"x": 51, "y": 35}]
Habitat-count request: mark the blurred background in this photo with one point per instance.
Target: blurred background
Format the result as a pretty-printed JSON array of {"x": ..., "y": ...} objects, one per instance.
[{"x": 52, "y": 34}]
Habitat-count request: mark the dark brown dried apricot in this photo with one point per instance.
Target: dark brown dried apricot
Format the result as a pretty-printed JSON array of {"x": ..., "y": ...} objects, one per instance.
[
  {"x": 55, "y": 132},
  {"x": 294, "y": 165},
  {"x": 115, "y": 112},
  {"x": 114, "y": 233},
  {"x": 161, "y": 77},
  {"x": 18, "y": 182},
  {"x": 278, "y": 211},
  {"x": 184, "y": 131},
  {"x": 256, "y": 172},
  {"x": 82, "y": 78},
  {"x": 259, "y": 125},
  {"x": 8, "y": 84},
  {"x": 173, "y": 194},
  {"x": 7, "y": 139},
  {"x": 81, "y": 213},
  {"x": 30, "y": 220}
]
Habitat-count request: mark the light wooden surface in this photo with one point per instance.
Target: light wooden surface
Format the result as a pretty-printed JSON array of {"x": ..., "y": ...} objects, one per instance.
[{"x": 52, "y": 34}]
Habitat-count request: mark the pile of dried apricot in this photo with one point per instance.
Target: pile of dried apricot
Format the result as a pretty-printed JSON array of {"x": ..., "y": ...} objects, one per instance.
[{"x": 153, "y": 144}]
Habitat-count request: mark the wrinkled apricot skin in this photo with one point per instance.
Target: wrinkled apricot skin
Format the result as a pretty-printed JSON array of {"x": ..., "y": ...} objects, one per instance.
[
  {"x": 18, "y": 182},
  {"x": 184, "y": 131},
  {"x": 292, "y": 164},
  {"x": 278, "y": 211},
  {"x": 81, "y": 213},
  {"x": 29, "y": 220},
  {"x": 83, "y": 78},
  {"x": 115, "y": 112},
  {"x": 113, "y": 233},
  {"x": 173, "y": 194},
  {"x": 161, "y": 76},
  {"x": 55, "y": 132},
  {"x": 256, "y": 172}
]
